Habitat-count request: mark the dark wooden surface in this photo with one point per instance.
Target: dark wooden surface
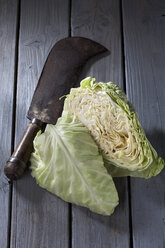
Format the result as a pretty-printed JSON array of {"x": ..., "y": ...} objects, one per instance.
[{"x": 134, "y": 31}]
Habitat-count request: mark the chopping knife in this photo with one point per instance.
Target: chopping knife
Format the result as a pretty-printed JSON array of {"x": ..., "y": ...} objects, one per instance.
[{"x": 60, "y": 73}]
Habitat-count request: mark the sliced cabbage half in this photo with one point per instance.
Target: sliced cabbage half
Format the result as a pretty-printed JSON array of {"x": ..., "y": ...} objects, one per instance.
[
  {"x": 113, "y": 123},
  {"x": 67, "y": 162}
]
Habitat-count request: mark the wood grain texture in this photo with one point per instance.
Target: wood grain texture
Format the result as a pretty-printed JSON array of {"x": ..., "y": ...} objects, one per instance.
[
  {"x": 144, "y": 39},
  {"x": 100, "y": 21},
  {"x": 39, "y": 219},
  {"x": 8, "y": 19}
]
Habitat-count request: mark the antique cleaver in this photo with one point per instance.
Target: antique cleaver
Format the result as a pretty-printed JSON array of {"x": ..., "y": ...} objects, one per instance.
[{"x": 60, "y": 73}]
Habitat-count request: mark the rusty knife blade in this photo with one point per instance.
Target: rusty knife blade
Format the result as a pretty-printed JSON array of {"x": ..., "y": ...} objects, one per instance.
[{"x": 60, "y": 73}]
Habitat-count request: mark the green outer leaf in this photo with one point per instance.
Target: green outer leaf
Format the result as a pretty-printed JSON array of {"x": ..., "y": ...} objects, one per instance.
[
  {"x": 67, "y": 163},
  {"x": 154, "y": 169}
]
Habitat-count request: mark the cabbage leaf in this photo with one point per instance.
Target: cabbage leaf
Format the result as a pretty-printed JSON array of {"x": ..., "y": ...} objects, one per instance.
[{"x": 67, "y": 162}]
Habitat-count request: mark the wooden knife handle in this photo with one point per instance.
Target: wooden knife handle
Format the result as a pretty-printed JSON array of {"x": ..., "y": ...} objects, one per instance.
[{"x": 17, "y": 163}]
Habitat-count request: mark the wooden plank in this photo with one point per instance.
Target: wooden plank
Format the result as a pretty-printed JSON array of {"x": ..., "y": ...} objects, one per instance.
[
  {"x": 144, "y": 38},
  {"x": 39, "y": 219},
  {"x": 8, "y": 20},
  {"x": 100, "y": 21}
]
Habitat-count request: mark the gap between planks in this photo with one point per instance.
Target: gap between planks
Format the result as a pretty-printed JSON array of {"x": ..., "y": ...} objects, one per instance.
[
  {"x": 14, "y": 116},
  {"x": 125, "y": 90},
  {"x": 70, "y": 204}
]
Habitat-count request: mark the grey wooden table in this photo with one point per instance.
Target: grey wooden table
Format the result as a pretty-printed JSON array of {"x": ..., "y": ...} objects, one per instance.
[{"x": 134, "y": 32}]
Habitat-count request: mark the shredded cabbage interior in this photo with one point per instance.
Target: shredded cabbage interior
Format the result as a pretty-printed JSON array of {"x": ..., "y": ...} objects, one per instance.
[{"x": 108, "y": 124}]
